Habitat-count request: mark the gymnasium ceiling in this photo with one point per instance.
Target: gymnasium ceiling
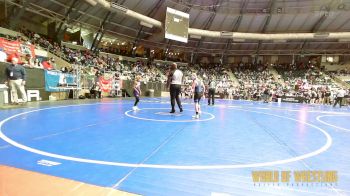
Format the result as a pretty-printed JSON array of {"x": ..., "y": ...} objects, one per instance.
[{"x": 254, "y": 16}]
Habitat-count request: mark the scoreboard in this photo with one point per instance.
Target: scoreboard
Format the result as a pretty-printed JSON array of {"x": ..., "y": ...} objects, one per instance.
[{"x": 176, "y": 25}]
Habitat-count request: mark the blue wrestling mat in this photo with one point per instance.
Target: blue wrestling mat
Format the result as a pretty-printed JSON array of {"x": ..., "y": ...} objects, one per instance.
[{"x": 152, "y": 152}]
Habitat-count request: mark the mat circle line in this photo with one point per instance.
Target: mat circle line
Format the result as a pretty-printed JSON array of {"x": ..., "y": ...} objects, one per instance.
[
  {"x": 127, "y": 113},
  {"x": 318, "y": 118},
  {"x": 164, "y": 166}
]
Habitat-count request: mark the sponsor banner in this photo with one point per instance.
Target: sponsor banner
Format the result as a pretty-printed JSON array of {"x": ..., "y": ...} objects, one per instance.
[
  {"x": 292, "y": 99},
  {"x": 106, "y": 82},
  {"x": 16, "y": 47},
  {"x": 55, "y": 79}
]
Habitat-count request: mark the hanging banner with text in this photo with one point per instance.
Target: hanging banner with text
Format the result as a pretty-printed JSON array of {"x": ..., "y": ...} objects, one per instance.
[
  {"x": 16, "y": 47},
  {"x": 106, "y": 82},
  {"x": 56, "y": 80}
]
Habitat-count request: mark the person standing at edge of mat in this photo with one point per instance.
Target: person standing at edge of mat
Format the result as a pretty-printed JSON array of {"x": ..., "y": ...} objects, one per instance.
[
  {"x": 15, "y": 75},
  {"x": 137, "y": 92},
  {"x": 211, "y": 91},
  {"x": 340, "y": 95},
  {"x": 327, "y": 95},
  {"x": 198, "y": 89},
  {"x": 175, "y": 81}
]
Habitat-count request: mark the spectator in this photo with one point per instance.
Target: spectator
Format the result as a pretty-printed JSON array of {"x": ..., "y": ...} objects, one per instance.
[
  {"x": 48, "y": 64},
  {"x": 95, "y": 91},
  {"x": 37, "y": 64},
  {"x": 327, "y": 95},
  {"x": 3, "y": 56},
  {"x": 53, "y": 62},
  {"x": 266, "y": 95},
  {"x": 28, "y": 61},
  {"x": 16, "y": 78},
  {"x": 229, "y": 92}
]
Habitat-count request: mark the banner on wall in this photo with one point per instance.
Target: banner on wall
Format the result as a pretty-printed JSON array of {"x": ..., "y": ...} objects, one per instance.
[
  {"x": 54, "y": 79},
  {"x": 16, "y": 47},
  {"x": 106, "y": 82},
  {"x": 292, "y": 99}
]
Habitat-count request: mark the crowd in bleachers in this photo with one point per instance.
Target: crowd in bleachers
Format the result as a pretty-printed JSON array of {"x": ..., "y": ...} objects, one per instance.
[
  {"x": 254, "y": 83},
  {"x": 339, "y": 73},
  {"x": 254, "y": 79},
  {"x": 100, "y": 64},
  {"x": 308, "y": 82},
  {"x": 27, "y": 60},
  {"x": 91, "y": 65}
]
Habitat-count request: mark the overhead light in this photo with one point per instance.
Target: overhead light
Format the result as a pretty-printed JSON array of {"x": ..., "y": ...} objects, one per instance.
[
  {"x": 226, "y": 34},
  {"x": 321, "y": 35},
  {"x": 196, "y": 36},
  {"x": 146, "y": 24},
  {"x": 119, "y": 7}
]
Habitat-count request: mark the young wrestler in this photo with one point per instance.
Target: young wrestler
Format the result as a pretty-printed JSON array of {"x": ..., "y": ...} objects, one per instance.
[
  {"x": 137, "y": 92},
  {"x": 198, "y": 90}
]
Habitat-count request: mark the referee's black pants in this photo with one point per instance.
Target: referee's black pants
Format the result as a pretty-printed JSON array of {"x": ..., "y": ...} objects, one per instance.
[
  {"x": 338, "y": 99},
  {"x": 211, "y": 95},
  {"x": 175, "y": 90}
]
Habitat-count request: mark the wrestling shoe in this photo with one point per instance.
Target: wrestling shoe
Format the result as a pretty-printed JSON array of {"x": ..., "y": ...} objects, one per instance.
[{"x": 195, "y": 116}]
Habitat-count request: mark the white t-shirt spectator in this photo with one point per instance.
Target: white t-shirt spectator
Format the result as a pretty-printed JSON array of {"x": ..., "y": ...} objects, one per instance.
[
  {"x": 3, "y": 56},
  {"x": 341, "y": 93},
  {"x": 177, "y": 77},
  {"x": 37, "y": 36}
]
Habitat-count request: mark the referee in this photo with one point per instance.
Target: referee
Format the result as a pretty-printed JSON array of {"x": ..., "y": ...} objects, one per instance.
[
  {"x": 211, "y": 91},
  {"x": 340, "y": 95},
  {"x": 175, "y": 81}
]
